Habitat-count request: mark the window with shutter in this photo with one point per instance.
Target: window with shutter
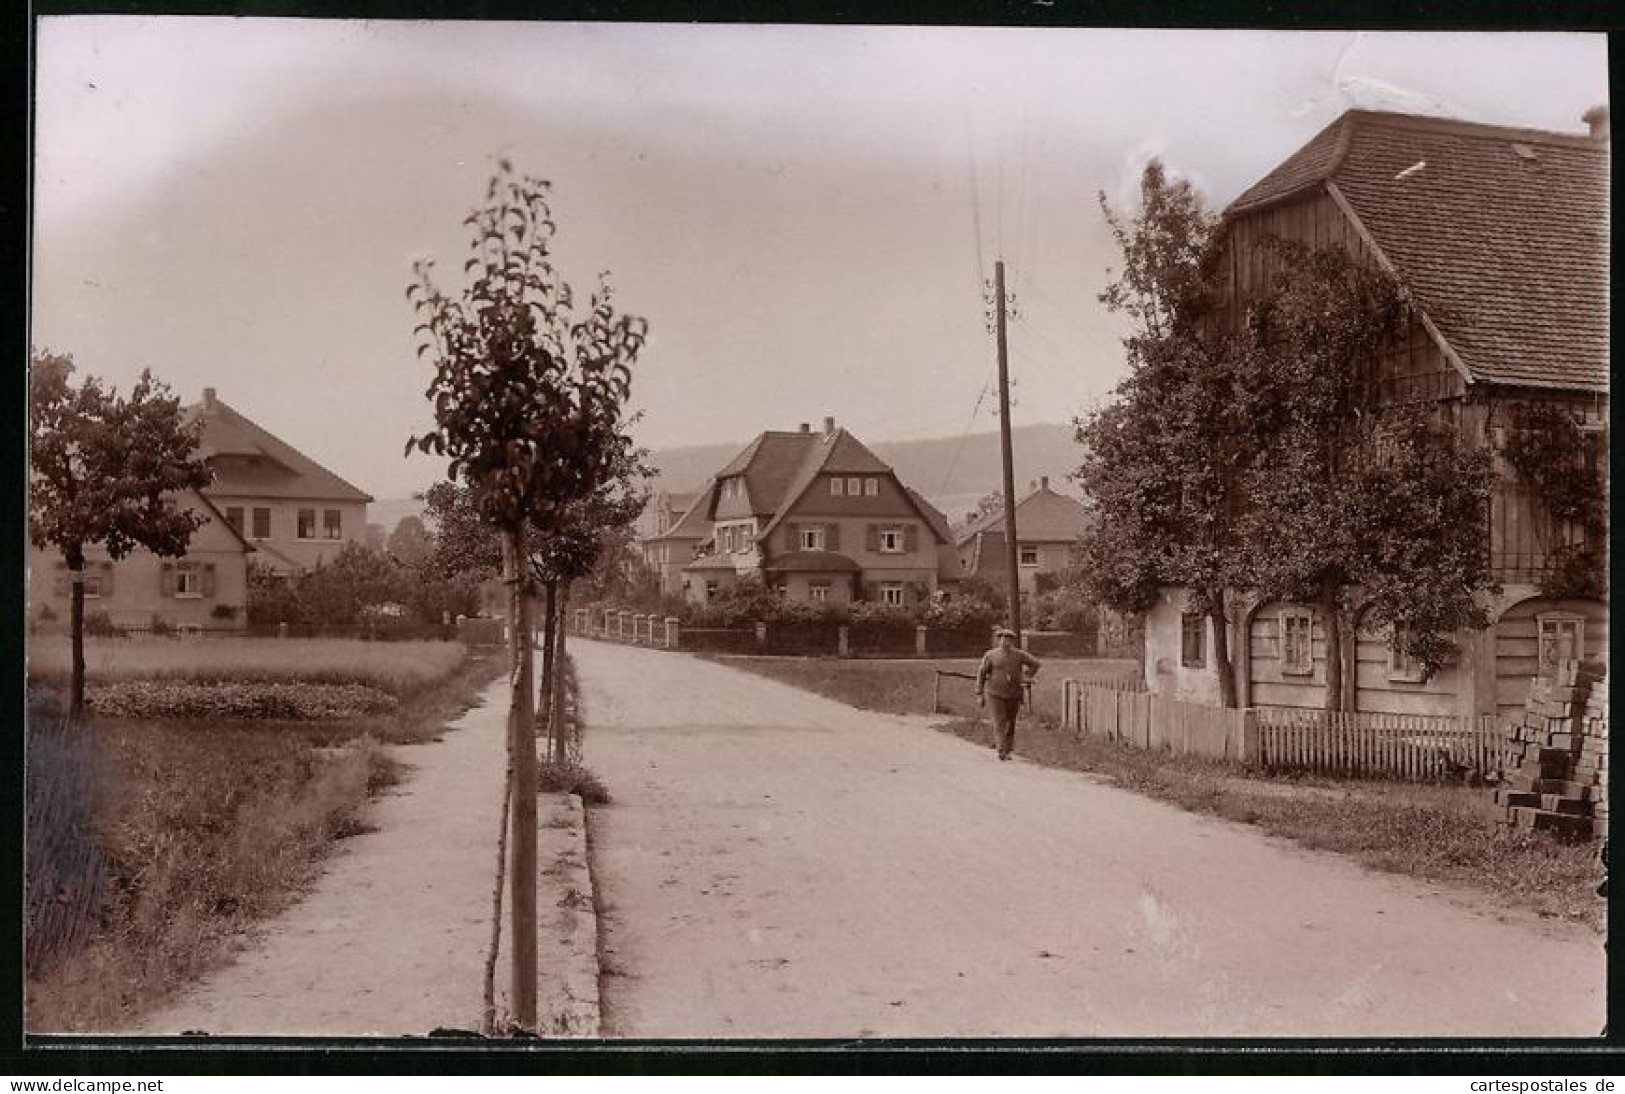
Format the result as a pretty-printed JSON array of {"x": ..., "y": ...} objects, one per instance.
[
  {"x": 832, "y": 536},
  {"x": 1297, "y": 642},
  {"x": 208, "y": 579},
  {"x": 871, "y": 537},
  {"x": 166, "y": 579},
  {"x": 911, "y": 538}
]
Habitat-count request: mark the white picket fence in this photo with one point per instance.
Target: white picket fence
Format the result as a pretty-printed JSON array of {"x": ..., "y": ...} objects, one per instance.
[
  {"x": 1403, "y": 746},
  {"x": 1353, "y": 743}
]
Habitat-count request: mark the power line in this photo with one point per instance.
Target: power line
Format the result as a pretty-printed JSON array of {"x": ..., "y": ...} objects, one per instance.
[{"x": 953, "y": 462}]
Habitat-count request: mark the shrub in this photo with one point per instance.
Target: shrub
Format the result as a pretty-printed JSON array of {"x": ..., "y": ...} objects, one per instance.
[
  {"x": 160, "y": 626},
  {"x": 100, "y": 625},
  {"x": 884, "y": 616},
  {"x": 151, "y": 699},
  {"x": 553, "y": 777},
  {"x": 224, "y": 611},
  {"x": 963, "y": 614}
]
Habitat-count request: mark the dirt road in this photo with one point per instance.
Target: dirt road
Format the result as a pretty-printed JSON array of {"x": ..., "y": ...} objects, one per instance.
[{"x": 776, "y": 864}]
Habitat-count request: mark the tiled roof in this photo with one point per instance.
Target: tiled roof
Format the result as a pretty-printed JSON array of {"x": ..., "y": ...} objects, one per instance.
[
  {"x": 769, "y": 464},
  {"x": 837, "y": 453},
  {"x": 813, "y": 562},
  {"x": 1041, "y": 516},
  {"x": 1501, "y": 234},
  {"x": 696, "y": 522},
  {"x": 246, "y": 459}
]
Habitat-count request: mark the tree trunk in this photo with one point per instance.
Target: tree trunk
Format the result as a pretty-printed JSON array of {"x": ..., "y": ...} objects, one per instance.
[
  {"x": 549, "y": 673},
  {"x": 1221, "y": 650},
  {"x": 561, "y": 729},
  {"x": 75, "y": 556},
  {"x": 522, "y": 738},
  {"x": 1334, "y": 653}
]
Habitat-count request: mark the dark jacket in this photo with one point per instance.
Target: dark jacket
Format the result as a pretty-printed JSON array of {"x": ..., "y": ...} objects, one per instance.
[{"x": 1000, "y": 672}]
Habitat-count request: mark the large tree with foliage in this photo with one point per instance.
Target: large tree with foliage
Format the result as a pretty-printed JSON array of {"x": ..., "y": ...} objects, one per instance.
[
  {"x": 1165, "y": 461},
  {"x": 105, "y": 470},
  {"x": 1365, "y": 510},
  {"x": 528, "y": 397}
]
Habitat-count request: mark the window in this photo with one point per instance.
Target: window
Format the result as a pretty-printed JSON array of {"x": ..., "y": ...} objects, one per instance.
[
  {"x": 1029, "y": 556},
  {"x": 818, "y": 590},
  {"x": 891, "y": 541},
  {"x": 307, "y": 524},
  {"x": 854, "y": 487},
  {"x": 331, "y": 523},
  {"x": 1297, "y": 642},
  {"x": 812, "y": 539},
  {"x": 234, "y": 517},
  {"x": 262, "y": 524},
  {"x": 891, "y": 594},
  {"x": 1401, "y": 665},
  {"x": 93, "y": 585},
  {"x": 1562, "y": 638},
  {"x": 750, "y": 538},
  {"x": 710, "y": 589},
  {"x": 835, "y": 487},
  {"x": 871, "y": 488},
  {"x": 1192, "y": 640},
  {"x": 188, "y": 580}
]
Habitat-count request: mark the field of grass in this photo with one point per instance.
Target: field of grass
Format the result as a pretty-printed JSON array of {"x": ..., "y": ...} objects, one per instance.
[
  {"x": 1438, "y": 833},
  {"x": 209, "y": 826},
  {"x": 906, "y": 686},
  {"x": 400, "y": 668}
]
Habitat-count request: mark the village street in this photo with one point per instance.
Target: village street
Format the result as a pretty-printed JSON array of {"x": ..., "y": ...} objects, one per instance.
[{"x": 776, "y": 864}]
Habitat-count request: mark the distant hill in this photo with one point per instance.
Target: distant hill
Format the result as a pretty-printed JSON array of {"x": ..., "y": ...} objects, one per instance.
[{"x": 954, "y": 473}]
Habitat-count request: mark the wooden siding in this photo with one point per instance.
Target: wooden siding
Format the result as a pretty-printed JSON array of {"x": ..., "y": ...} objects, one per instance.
[
  {"x": 1522, "y": 532},
  {"x": 1517, "y": 645},
  {"x": 1378, "y": 693},
  {"x": 1270, "y": 686},
  {"x": 1412, "y": 369}
]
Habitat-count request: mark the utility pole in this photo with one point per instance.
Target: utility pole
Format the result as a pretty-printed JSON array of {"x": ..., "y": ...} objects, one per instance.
[{"x": 1013, "y": 586}]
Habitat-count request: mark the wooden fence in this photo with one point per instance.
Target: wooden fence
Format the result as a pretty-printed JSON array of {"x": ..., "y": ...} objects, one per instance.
[
  {"x": 1149, "y": 721},
  {"x": 1401, "y": 746}
]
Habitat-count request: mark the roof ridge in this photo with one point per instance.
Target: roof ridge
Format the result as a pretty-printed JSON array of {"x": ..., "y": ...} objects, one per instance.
[{"x": 1484, "y": 130}]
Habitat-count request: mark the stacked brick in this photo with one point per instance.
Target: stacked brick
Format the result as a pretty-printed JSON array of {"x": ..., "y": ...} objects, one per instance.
[{"x": 1556, "y": 773}]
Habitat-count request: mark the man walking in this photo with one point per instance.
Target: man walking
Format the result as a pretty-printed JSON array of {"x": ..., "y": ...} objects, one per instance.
[{"x": 1001, "y": 675}]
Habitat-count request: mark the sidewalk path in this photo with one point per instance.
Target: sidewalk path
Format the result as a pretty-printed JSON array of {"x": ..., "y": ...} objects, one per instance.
[
  {"x": 776, "y": 864},
  {"x": 392, "y": 939}
]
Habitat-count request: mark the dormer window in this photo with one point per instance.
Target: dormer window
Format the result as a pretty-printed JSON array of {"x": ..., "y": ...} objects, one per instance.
[
  {"x": 871, "y": 488},
  {"x": 854, "y": 487},
  {"x": 837, "y": 487}
]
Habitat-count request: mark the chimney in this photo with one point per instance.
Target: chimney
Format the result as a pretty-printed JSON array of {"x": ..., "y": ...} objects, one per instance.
[
  {"x": 829, "y": 426},
  {"x": 806, "y": 427},
  {"x": 208, "y": 398},
  {"x": 1597, "y": 119}
]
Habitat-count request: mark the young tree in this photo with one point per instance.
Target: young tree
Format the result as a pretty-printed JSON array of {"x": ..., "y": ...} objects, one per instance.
[
  {"x": 1164, "y": 464},
  {"x": 1356, "y": 507},
  {"x": 410, "y": 543},
  {"x": 528, "y": 405},
  {"x": 104, "y": 469}
]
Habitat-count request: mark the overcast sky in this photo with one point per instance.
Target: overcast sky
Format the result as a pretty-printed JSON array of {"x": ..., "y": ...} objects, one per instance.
[{"x": 805, "y": 215}]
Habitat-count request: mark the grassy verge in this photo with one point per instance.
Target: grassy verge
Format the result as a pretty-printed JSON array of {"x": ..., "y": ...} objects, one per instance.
[
  {"x": 399, "y": 668},
  {"x": 907, "y": 687},
  {"x": 1438, "y": 833},
  {"x": 208, "y": 827}
]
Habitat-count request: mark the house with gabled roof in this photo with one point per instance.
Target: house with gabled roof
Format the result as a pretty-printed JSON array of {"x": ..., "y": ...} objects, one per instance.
[
  {"x": 1048, "y": 524},
  {"x": 205, "y": 589},
  {"x": 296, "y": 512},
  {"x": 819, "y": 517},
  {"x": 267, "y": 500},
  {"x": 1501, "y": 237}
]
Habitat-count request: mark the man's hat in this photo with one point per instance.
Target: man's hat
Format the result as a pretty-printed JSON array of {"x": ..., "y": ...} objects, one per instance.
[{"x": 1003, "y": 631}]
